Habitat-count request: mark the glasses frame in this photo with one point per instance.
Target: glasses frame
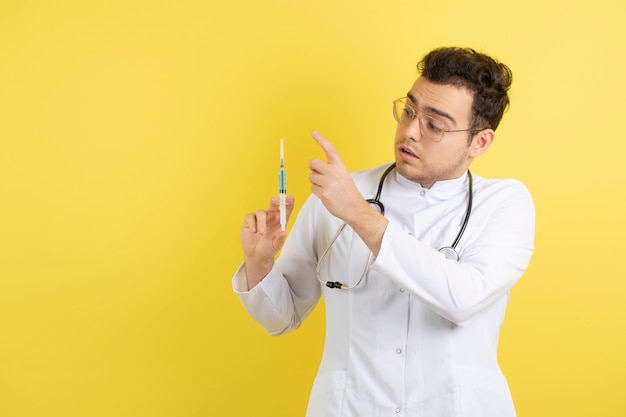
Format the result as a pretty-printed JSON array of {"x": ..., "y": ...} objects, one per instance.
[{"x": 416, "y": 115}]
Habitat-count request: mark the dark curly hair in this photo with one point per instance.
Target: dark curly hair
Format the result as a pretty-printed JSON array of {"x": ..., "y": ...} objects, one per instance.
[{"x": 488, "y": 79}]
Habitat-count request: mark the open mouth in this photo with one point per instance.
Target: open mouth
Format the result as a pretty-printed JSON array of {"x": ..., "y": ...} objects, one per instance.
[{"x": 407, "y": 151}]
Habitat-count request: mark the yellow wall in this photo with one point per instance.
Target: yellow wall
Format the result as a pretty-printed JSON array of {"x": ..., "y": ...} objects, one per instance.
[{"x": 136, "y": 134}]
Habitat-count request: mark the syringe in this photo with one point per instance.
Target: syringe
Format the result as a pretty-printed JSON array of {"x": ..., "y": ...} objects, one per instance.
[{"x": 282, "y": 187}]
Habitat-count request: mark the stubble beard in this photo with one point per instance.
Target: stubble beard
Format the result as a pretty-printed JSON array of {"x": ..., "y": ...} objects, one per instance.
[{"x": 427, "y": 175}]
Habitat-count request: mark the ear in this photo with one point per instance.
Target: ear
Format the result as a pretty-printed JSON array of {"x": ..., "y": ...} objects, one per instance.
[{"x": 481, "y": 142}]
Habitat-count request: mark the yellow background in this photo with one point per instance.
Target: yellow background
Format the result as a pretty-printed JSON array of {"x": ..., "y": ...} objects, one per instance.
[{"x": 135, "y": 135}]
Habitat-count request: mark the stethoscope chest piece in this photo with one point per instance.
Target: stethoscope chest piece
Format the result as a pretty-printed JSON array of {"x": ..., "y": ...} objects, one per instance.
[{"x": 449, "y": 253}]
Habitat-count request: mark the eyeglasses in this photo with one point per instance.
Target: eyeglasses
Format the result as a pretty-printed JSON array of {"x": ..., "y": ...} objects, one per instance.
[{"x": 430, "y": 128}]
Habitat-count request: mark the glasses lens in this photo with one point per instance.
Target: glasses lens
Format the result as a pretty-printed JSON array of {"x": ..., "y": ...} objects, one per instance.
[
  {"x": 401, "y": 112},
  {"x": 431, "y": 129}
]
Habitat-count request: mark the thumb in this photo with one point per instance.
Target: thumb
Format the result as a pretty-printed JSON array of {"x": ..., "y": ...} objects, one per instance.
[{"x": 279, "y": 241}]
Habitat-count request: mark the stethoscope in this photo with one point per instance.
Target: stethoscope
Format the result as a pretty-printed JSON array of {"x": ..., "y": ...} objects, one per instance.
[{"x": 448, "y": 251}]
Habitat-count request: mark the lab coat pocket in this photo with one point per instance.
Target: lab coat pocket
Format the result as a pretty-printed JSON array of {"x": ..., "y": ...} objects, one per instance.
[{"x": 328, "y": 393}]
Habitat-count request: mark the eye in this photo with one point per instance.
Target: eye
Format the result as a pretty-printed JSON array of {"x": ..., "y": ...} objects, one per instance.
[
  {"x": 433, "y": 125},
  {"x": 408, "y": 112}
]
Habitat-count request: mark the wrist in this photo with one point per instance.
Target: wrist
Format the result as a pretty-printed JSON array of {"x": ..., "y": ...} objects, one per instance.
[
  {"x": 370, "y": 225},
  {"x": 362, "y": 214},
  {"x": 256, "y": 270}
]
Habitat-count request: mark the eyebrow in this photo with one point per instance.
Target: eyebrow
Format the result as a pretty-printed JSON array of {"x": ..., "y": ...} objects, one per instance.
[{"x": 432, "y": 109}]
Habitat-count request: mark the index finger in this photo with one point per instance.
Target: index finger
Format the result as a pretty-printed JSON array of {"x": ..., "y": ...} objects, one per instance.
[{"x": 327, "y": 147}]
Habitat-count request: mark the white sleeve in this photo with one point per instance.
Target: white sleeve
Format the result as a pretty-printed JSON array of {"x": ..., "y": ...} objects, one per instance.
[
  {"x": 288, "y": 294},
  {"x": 493, "y": 260}
]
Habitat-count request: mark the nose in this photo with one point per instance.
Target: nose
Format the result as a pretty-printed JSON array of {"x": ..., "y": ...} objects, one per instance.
[{"x": 413, "y": 129}]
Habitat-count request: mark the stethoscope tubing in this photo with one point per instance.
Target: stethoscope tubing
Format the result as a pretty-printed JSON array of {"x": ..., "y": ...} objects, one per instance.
[{"x": 449, "y": 251}]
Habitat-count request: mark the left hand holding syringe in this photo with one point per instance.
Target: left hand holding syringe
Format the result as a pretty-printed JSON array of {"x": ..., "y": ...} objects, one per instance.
[
  {"x": 262, "y": 239},
  {"x": 263, "y": 234}
]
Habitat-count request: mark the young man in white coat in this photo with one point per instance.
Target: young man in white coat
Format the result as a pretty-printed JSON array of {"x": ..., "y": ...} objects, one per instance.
[{"x": 415, "y": 284}]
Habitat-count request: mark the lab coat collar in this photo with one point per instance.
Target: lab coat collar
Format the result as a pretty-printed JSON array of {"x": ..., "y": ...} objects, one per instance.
[{"x": 440, "y": 190}]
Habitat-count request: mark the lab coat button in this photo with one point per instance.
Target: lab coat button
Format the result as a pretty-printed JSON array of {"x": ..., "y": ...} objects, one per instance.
[
  {"x": 422, "y": 193},
  {"x": 398, "y": 410},
  {"x": 398, "y": 351},
  {"x": 401, "y": 289}
]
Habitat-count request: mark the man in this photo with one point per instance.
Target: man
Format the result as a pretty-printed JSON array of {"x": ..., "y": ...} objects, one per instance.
[{"x": 414, "y": 298}]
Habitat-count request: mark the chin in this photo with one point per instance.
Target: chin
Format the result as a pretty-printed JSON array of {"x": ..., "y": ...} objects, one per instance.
[{"x": 407, "y": 170}]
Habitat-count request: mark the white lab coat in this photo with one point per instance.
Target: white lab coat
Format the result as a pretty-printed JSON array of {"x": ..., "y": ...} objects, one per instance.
[{"x": 419, "y": 336}]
